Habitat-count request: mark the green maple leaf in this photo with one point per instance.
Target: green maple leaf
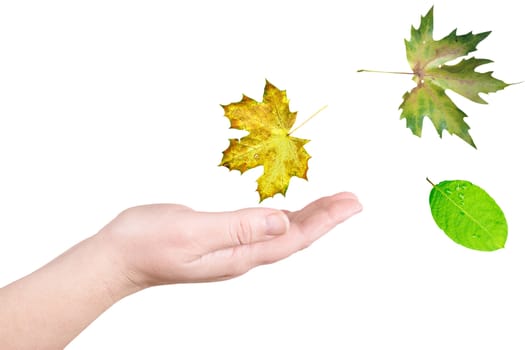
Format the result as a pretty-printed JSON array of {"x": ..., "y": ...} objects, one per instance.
[
  {"x": 468, "y": 215},
  {"x": 427, "y": 58}
]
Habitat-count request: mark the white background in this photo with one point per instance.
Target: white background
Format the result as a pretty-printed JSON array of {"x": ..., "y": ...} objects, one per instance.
[{"x": 110, "y": 104}]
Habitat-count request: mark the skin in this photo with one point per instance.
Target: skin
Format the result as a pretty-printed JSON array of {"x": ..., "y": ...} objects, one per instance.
[{"x": 153, "y": 245}]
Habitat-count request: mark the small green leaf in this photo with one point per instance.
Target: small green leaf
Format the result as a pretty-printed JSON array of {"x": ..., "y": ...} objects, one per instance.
[{"x": 468, "y": 215}]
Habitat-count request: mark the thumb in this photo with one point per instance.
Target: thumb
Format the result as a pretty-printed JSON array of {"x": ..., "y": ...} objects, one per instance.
[{"x": 246, "y": 226}]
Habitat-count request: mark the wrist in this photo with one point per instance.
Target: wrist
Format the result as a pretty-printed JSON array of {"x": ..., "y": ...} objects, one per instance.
[{"x": 115, "y": 276}]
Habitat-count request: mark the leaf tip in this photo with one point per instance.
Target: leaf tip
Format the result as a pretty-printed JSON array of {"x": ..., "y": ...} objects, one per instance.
[
  {"x": 269, "y": 85},
  {"x": 429, "y": 16},
  {"x": 483, "y": 35}
]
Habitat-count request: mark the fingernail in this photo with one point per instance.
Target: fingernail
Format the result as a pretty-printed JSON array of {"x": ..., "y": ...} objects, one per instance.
[{"x": 276, "y": 224}]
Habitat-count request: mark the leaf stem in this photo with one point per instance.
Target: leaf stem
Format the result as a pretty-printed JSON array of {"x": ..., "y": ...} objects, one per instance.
[
  {"x": 430, "y": 182},
  {"x": 307, "y": 120},
  {"x": 382, "y": 71}
]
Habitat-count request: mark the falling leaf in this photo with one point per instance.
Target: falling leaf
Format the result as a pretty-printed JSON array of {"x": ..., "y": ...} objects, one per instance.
[
  {"x": 268, "y": 143},
  {"x": 468, "y": 215},
  {"x": 427, "y": 59}
]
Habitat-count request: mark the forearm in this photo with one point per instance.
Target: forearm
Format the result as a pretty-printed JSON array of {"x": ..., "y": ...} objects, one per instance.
[{"x": 50, "y": 307}]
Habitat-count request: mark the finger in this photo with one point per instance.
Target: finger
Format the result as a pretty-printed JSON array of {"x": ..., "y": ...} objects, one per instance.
[
  {"x": 327, "y": 211},
  {"x": 311, "y": 222},
  {"x": 319, "y": 204},
  {"x": 307, "y": 225},
  {"x": 215, "y": 231}
]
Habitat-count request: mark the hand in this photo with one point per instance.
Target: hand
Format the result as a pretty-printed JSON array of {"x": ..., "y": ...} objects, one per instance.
[
  {"x": 152, "y": 245},
  {"x": 169, "y": 243}
]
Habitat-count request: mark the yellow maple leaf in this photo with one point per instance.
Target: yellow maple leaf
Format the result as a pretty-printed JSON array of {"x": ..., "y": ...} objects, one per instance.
[{"x": 268, "y": 143}]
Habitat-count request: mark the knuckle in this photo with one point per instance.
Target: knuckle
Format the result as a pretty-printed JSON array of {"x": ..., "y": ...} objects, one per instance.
[{"x": 241, "y": 230}]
